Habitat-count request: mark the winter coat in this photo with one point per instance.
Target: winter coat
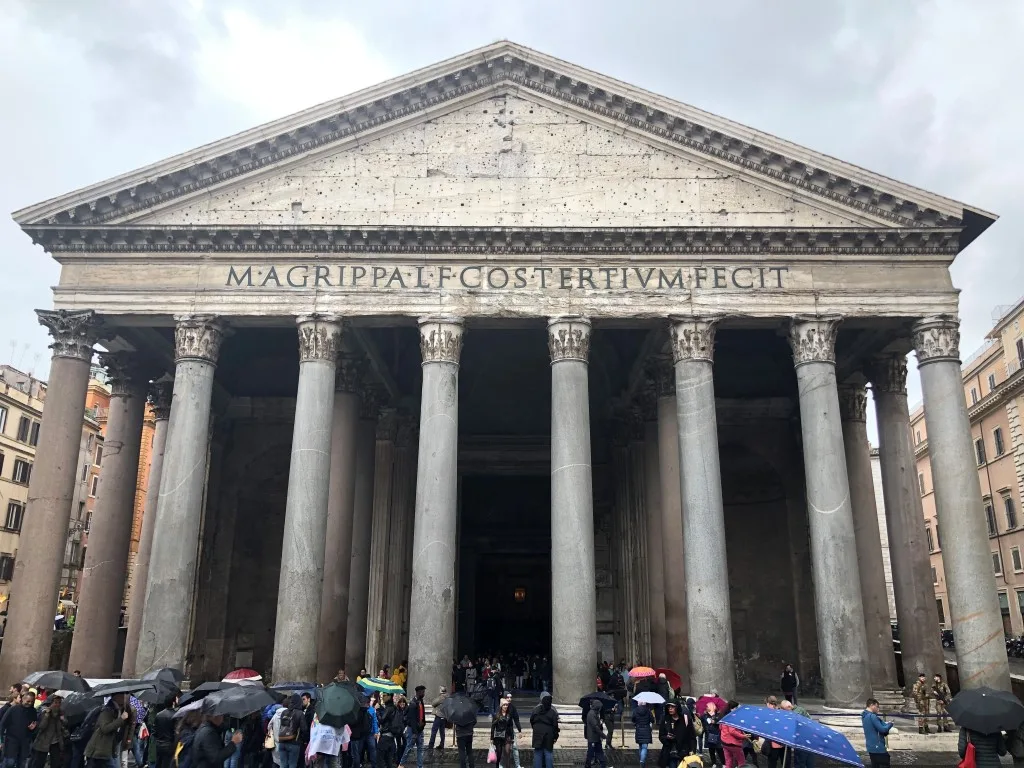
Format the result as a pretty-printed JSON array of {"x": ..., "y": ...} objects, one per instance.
[
  {"x": 415, "y": 715},
  {"x": 875, "y": 731},
  {"x": 987, "y": 747},
  {"x": 664, "y": 689},
  {"x": 501, "y": 730},
  {"x": 50, "y": 730},
  {"x": 731, "y": 737},
  {"x": 163, "y": 730},
  {"x": 789, "y": 682},
  {"x": 544, "y": 720},
  {"x": 14, "y": 729},
  {"x": 678, "y": 734},
  {"x": 363, "y": 725},
  {"x": 712, "y": 730},
  {"x": 514, "y": 714},
  {"x": 594, "y": 728},
  {"x": 104, "y": 741},
  {"x": 208, "y": 748},
  {"x": 462, "y": 731},
  {"x": 391, "y": 720},
  {"x": 643, "y": 722}
]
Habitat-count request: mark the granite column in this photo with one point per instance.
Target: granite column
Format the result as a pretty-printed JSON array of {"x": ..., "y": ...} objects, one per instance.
[
  {"x": 170, "y": 586},
  {"x": 160, "y": 402},
  {"x": 912, "y": 586},
  {"x": 305, "y": 517},
  {"x": 655, "y": 556},
  {"x": 432, "y": 615},
  {"x": 44, "y": 533},
  {"x": 573, "y": 589},
  {"x": 852, "y": 412},
  {"x": 707, "y": 572},
  {"x": 842, "y": 641},
  {"x": 637, "y": 564},
  {"x": 380, "y": 557},
  {"x": 106, "y": 559},
  {"x": 970, "y": 583},
  {"x": 340, "y": 511}
]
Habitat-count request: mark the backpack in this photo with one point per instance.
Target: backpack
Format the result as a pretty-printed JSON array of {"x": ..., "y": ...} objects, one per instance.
[
  {"x": 969, "y": 758},
  {"x": 698, "y": 727},
  {"x": 84, "y": 731},
  {"x": 287, "y": 730}
]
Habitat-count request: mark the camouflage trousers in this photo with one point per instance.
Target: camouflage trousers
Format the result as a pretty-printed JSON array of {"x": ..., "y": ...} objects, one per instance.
[
  {"x": 923, "y": 710},
  {"x": 941, "y": 716}
]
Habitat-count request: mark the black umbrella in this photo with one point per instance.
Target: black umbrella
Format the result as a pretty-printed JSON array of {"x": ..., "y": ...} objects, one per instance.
[
  {"x": 123, "y": 686},
  {"x": 239, "y": 701},
  {"x": 607, "y": 702},
  {"x": 205, "y": 689},
  {"x": 459, "y": 709},
  {"x": 986, "y": 710},
  {"x": 163, "y": 691},
  {"x": 338, "y": 705},
  {"x": 170, "y": 676},
  {"x": 77, "y": 705},
  {"x": 56, "y": 680}
]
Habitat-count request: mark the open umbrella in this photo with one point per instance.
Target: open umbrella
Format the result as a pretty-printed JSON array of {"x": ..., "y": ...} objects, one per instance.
[
  {"x": 205, "y": 689},
  {"x": 77, "y": 705},
  {"x": 240, "y": 701},
  {"x": 338, "y": 705},
  {"x": 794, "y": 731},
  {"x": 171, "y": 676},
  {"x": 243, "y": 673},
  {"x": 123, "y": 686},
  {"x": 607, "y": 702},
  {"x": 637, "y": 672},
  {"x": 649, "y": 697},
  {"x": 986, "y": 710},
  {"x": 459, "y": 709},
  {"x": 675, "y": 682},
  {"x": 295, "y": 686},
  {"x": 380, "y": 685},
  {"x": 56, "y": 679},
  {"x": 192, "y": 706}
]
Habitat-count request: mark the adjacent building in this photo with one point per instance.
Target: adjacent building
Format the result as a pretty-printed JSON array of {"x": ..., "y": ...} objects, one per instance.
[{"x": 993, "y": 381}]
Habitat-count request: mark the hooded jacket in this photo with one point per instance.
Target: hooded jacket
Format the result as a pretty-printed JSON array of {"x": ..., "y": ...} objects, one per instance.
[
  {"x": 208, "y": 748},
  {"x": 644, "y": 724},
  {"x": 544, "y": 720},
  {"x": 594, "y": 729}
]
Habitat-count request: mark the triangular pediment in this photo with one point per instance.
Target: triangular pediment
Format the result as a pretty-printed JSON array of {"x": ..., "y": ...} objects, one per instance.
[
  {"x": 592, "y": 146},
  {"x": 504, "y": 161}
]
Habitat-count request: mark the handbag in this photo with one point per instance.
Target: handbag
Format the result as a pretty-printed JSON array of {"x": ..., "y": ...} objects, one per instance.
[
  {"x": 969, "y": 760},
  {"x": 268, "y": 740},
  {"x": 492, "y": 755}
]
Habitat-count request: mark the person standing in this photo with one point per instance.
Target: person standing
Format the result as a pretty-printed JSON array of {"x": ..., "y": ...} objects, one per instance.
[
  {"x": 875, "y": 732},
  {"x": 390, "y": 720},
  {"x": 920, "y": 695},
  {"x": 643, "y": 730},
  {"x": 162, "y": 736},
  {"x": 594, "y": 733},
  {"x": 988, "y": 747},
  {"x": 801, "y": 757},
  {"x": 208, "y": 747},
  {"x": 733, "y": 740},
  {"x": 676, "y": 735},
  {"x": 712, "y": 734},
  {"x": 516, "y": 727},
  {"x": 362, "y": 732},
  {"x": 104, "y": 744},
  {"x": 544, "y": 720},
  {"x": 415, "y": 723},
  {"x": 790, "y": 683},
  {"x": 502, "y": 733},
  {"x": 50, "y": 734},
  {"x": 464, "y": 742},
  {"x": 439, "y": 723},
  {"x": 942, "y": 695}
]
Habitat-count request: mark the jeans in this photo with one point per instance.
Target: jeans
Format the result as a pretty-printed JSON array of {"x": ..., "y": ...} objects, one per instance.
[
  {"x": 515, "y": 751},
  {"x": 643, "y": 753},
  {"x": 803, "y": 759},
  {"x": 356, "y": 747},
  {"x": 77, "y": 754},
  {"x": 543, "y": 758},
  {"x": 465, "y": 744},
  {"x": 291, "y": 754},
  {"x": 879, "y": 759},
  {"x": 413, "y": 736},
  {"x": 595, "y": 751},
  {"x": 138, "y": 748},
  {"x": 438, "y": 726},
  {"x": 39, "y": 757}
]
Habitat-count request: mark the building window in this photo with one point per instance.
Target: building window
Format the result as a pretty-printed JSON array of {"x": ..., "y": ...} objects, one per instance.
[
  {"x": 99, "y": 455},
  {"x": 1, "y": 462},
  {"x": 938, "y": 535},
  {"x": 81, "y": 510},
  {"x": 997, "y": 564},
  {"x": 974, "y": 395},
  {"x": 24, "y": 426},
  {"x": 1004, "y": 604},
  {"x": 6, "y": 566},
  {"x": 979, "y": 450},
  {"x": 1020, "y": 353},
  {"x": 942, "y": 613},
  {"x": 990, "y": 517},
  {"x": 1011, "y": 511},
  {"x": 920, "y": 482},
  {"x": 94, "y": 488},
  {"x": 15, "y": 514},
  {"x": 1018, "y": 566},
  {"x": 917, "y": 437},
  {"x": 85, "y": 471},
  {"x": 3, "y": 419},
  {"x": 997, "y": 438},
  {"x": 991, "y": 382},
  {"x": 88, "y": 523},
  {"x": 33, "y": 435},
  {"x": 22, "y": 471},
  {"x": 929, "y": 539},
  {"x": 1020, "y": 601},
  {"x": 935, "y": 575}
]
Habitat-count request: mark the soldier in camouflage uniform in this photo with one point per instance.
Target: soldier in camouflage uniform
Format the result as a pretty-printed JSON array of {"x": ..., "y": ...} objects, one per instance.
[
  {"x": 942, "y": 695},
  {"x": 920, "y": 693}
]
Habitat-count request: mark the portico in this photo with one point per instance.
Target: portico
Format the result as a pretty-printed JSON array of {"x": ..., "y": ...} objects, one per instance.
[{"x": 667, "y": 305}]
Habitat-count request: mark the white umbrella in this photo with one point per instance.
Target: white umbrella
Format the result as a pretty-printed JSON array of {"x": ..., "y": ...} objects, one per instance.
[{"x": 649, "y": 697}]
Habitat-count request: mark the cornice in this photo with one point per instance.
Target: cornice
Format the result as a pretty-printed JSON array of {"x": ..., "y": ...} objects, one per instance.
[
  {"x": 512, "y": 67},
  {"x": 507, "y": 240}
]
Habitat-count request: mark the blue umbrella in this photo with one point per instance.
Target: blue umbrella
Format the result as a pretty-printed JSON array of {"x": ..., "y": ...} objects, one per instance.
[{"x": 794, "y": 731}]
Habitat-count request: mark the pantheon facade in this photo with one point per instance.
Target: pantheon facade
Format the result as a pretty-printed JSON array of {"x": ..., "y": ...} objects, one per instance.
[{"x": 506, "y": 355}]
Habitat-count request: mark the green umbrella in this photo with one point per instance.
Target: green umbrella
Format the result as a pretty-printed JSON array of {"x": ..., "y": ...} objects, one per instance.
[
  {"x": 380, "y": 685},
  {"x": 338, "y": 705}
]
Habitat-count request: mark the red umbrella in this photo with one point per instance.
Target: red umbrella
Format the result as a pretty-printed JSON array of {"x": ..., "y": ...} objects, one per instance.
[
  {"x": 674, "y": 680},
  {"x": 243, "y": 674}
]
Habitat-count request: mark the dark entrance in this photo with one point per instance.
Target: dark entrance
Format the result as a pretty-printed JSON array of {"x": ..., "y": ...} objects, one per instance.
[{"x": 505, "y": 565}]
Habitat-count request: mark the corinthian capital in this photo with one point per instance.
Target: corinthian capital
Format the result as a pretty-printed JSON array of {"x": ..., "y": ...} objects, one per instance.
[
  {"x": 73, "y": 333},
  {"x": 937, "y": 339},
  {"x": 569, "y": 339},
  {"x": 888, "y": 373},
  {"x": 350, "y": 373},
  {"x": 662, "y": 374},
  {"x": 853, "y": 402},
  {"x": 813, "y": 339},
  {"x": 692, "y": 338},
  {"x": 160, "y": 392},
  {"x": 197, "y": 337},
  {"x": 319, "y": 338},
  {"x": 441, "y": 339},
  {"x": 123, "y": 374}
]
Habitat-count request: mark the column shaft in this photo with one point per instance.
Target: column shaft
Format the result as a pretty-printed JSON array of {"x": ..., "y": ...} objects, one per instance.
[
  {"x": 573, "y": 589},
  {"x": 882, "y": 660},
  {"x": 707, "y": 573},
  {"x": 842, "y": 642},
  {"x": 410, "y": 532},
  {"x": 359, "y": 579},
  {"x": 638, "y": 542},
  {"x": 33, "y": 596},
  {"x": 402, "y": 512},
  {"x": 383, "y": 469},
  {"x": 970, "y": 582},
  {"x": 163, "y": 638},
  {"x": 655, "y": 555},
  {"x": 436, "y": 521},
  {"x": 305, "y": 517},
  {"x": 913, "y": 589},
  {"x": 106, "y": 560},
  {"x": 340, "y": 510},
  {"x": 160, "y": 399}
]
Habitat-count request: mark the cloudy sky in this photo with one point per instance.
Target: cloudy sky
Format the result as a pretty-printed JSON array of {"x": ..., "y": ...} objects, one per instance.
[{"x": 925, "y": 92}]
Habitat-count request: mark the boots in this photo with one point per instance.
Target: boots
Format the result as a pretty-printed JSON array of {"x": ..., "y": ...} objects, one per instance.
[
  {"x": 927, "y": 730},
  {"x": 920, "y": 730}
]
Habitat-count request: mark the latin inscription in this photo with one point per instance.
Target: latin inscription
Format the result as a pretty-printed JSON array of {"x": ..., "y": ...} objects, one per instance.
[{"x": 490, "y": 277}]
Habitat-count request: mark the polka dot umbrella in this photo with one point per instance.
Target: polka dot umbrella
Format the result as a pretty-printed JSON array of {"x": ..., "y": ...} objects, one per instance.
[{"x": 793, "y": 731}]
